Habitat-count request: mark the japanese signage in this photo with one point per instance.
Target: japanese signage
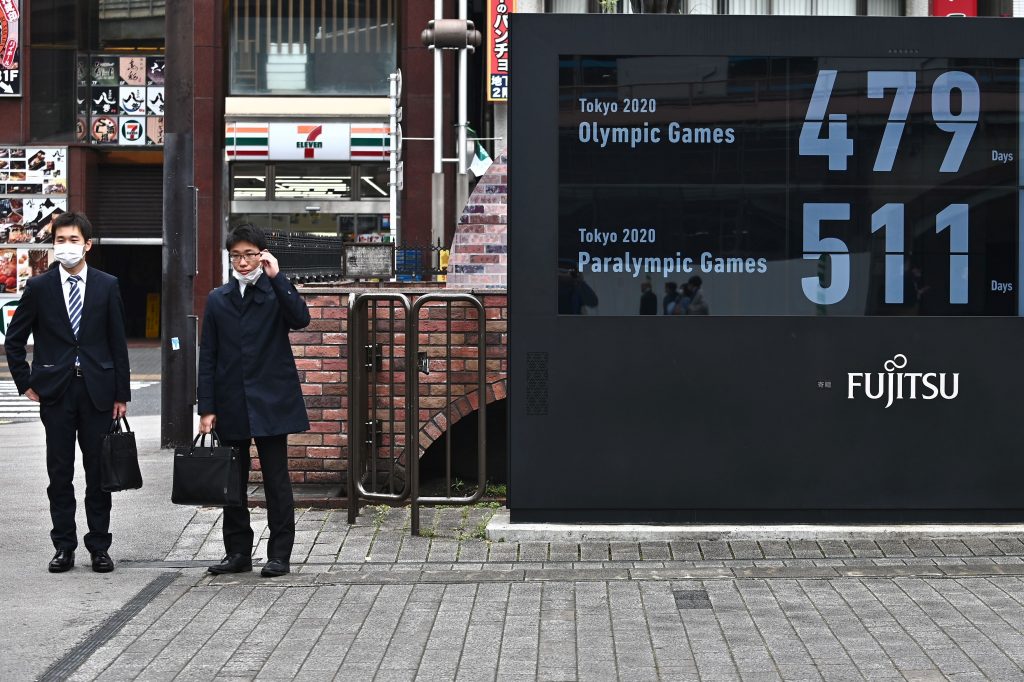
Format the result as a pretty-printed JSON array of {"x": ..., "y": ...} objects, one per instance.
[
  {"x": 33, "y": 191},
  {"x": 120, "y": 99},
  {"x": 497, "y": 48},
  {"x": 10, "y": 49},
  {"x": 306, "y": 141}
]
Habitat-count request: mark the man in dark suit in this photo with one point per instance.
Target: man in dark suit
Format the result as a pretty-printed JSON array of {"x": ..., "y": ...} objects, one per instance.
[
  {"x": 249, "y": 390},
  {"x": 80, "y": 378}
]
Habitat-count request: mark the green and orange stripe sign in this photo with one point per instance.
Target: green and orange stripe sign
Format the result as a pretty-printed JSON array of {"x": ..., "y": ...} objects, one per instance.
[{"x": 247, "y": 140}]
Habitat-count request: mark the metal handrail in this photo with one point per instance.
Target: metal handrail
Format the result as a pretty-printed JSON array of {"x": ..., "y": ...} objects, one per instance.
[
  {"x": 358, "y": 369},
  {"x": 413, "y": 403}
]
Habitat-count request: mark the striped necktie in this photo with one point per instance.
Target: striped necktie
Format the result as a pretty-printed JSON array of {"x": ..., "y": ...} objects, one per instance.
[
  {"x": 75, "y": 307},
  {"x": 75, "y": 304}
]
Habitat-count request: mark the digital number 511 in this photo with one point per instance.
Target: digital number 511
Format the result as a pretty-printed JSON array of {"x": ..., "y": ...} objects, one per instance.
[{"x": 887, "y": 219}]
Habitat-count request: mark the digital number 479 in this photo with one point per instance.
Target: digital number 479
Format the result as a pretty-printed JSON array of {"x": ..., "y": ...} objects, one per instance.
[{"x": 837, "y": 145}]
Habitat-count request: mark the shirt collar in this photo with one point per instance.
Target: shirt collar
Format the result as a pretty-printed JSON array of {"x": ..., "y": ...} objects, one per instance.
[{"x": 65, "y": 275}]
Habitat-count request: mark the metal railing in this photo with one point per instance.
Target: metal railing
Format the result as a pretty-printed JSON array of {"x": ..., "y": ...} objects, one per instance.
[
  {"x": 378, "y": 448},
  {"x": 312, "y": 258},
  {"x": 413, "y": 394},
  {"x": 375, "y": 443},
  {"x": 307, "y": 258}
]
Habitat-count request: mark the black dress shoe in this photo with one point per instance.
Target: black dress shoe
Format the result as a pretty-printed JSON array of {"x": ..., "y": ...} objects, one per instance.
[
  {"x": 232, "y": 563},
  {"x": 275, "y": 568},
  {"x": 63, "y": 560},
  {"x": 101, "y": 562}
]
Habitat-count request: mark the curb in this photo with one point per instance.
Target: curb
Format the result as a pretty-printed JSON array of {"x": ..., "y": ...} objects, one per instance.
[{"x": 501, "y": 529}]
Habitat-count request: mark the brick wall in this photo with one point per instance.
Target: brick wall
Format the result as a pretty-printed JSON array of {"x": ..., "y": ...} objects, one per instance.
[
  {"x": 479, "y": 255},
  {"x": 320, "y": 455}
]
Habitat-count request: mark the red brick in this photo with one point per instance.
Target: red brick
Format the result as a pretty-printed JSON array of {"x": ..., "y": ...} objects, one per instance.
[
  {"x": 305, "y": 338},
  {"x": 323, "y": 326},
  {"x": 305, "y": 439},
  {"x": 323, "y": 477},
  {"x": 311, "y": 363},
  {"x": 321, "y": 452},
  {"x": 323, "y": 377},
  {"x": 500, "y": 390},
  {"x": 322, "y": 351}
]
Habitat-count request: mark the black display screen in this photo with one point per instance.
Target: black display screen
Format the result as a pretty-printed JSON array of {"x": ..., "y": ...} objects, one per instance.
[{"x": 789, "y": 186}]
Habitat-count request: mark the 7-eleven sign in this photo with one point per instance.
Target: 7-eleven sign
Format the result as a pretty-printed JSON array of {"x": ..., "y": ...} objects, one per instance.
[{"x": 310, "y": 141}]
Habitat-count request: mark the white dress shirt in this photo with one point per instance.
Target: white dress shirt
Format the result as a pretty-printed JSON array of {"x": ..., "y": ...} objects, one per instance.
[{"x": 66, "y": 288}]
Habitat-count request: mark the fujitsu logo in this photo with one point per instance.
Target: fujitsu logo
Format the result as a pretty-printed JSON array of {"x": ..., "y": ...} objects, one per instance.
[{"x": 891, "y": 385}]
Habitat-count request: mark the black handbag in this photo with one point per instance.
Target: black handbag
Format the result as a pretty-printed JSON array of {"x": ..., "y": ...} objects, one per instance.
[
  {"x": 208, "y": 476},
  {"x": 119, "y": 459}
]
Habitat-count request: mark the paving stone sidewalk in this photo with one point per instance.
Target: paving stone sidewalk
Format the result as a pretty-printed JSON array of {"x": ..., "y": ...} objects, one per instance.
[{"x": 368, "y": 602}]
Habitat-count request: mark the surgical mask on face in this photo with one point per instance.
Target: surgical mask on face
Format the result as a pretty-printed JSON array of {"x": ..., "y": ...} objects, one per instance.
[
  {"x": 249, "y": 277},
  {"x": 69, "y": 255}
]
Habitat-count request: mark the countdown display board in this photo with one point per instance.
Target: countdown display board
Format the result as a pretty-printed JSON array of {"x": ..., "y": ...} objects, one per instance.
[
  {"x": 808, "y": 185},
  {"x": 829, "y": 211}
]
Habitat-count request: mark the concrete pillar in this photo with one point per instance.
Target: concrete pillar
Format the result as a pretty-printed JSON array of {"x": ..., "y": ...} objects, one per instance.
[{"x": 918, "y": 8}]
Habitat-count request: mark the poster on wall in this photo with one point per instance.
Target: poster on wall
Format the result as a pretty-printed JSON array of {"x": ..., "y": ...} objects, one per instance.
[
  {"x": 33, "y": 191},
  {"x": 10, "y": 48},
  {"x": 120, "y": 99}
]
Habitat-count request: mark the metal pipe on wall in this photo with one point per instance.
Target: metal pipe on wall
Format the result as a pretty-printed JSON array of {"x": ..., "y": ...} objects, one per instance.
[{"x": 437, "y": 178}]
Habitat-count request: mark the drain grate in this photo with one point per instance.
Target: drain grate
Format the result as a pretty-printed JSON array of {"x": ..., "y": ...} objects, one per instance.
[
  {"x": 692, "y": 599},
  {"x": 62, "y": 669}
]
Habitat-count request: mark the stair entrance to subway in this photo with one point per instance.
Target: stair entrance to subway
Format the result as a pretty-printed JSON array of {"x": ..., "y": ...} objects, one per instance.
[{"x": 415, "y": 368}]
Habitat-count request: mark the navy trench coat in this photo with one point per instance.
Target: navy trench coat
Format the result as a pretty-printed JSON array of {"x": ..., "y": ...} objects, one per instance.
[{"x": 247, "y": 374}]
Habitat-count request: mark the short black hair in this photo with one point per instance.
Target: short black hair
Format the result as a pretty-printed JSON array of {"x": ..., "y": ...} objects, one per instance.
[
  {"x": 695, "y": 281},
  {"x": 246, "y": 232},
  {"x": 74, "y": 219}
]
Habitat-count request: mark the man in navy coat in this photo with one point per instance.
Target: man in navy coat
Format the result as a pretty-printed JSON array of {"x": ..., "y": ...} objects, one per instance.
[
  {"x": 249, "y": 390},
  {"x": 80, "y": 378}
]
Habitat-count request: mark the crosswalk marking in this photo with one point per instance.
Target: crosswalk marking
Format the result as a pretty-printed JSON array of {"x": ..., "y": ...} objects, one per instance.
[{"x": 14, "y": 406}]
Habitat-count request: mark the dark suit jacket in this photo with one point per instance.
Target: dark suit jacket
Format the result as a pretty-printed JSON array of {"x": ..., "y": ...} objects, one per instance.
[
  {"x": 101, "y": 345},
  {"x": 247, "y": 374}
]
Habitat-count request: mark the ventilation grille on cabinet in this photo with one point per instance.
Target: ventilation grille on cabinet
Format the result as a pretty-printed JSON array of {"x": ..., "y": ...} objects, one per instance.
[{"x": 536, "y": 384}]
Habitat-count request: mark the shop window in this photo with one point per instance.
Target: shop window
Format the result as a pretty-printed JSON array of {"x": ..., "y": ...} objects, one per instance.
[
  {"x": 328, "y": 181},
  {"x": 249, "y": 181},
  {"x": 373, "y": 181},
  {"x": 53, "y": 103},
  {"x": 313, "y": 181},
  {"x": 337, "y": 47}
]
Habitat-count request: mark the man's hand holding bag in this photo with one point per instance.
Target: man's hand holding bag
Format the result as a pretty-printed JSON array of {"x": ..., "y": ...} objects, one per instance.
[
  {"x": 119, "y": 459},
  {"x": 207, "y": 475}
]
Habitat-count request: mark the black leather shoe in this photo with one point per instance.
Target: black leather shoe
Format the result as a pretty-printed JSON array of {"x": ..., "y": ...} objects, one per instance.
[
  {"x": 101, "y": 562},
  {"x": 232, "y": 563},
  {"x": 275, "y": 568},
  {"x": 63, "y": 560}
]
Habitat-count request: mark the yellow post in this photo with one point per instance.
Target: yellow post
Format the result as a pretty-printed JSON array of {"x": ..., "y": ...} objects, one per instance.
[{"x": 152, "y": 316}]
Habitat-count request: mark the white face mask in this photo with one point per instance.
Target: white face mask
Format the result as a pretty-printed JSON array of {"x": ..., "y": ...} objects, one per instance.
[
  {"x": 69, "y": 255},
  {"x": 248, "y": 277}
]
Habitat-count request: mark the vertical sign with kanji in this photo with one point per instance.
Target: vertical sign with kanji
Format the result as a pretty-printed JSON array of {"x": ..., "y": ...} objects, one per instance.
[
  {"x": 10, "y": 49},
  {"x": 497, "y": 48}
]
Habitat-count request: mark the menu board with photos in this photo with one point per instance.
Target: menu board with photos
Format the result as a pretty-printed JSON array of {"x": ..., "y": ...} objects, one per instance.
[
  {"x": 120, "y": 99},
  {"x": 33, "y": 191}
]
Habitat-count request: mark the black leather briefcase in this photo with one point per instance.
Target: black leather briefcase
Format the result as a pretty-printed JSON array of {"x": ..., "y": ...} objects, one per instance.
[
  {"x": 119, "y": 459},
  {"x": 207, "y": 475}
]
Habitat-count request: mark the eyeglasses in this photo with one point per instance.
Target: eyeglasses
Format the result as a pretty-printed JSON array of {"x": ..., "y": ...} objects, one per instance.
[{"x": 237, "y": 257}]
